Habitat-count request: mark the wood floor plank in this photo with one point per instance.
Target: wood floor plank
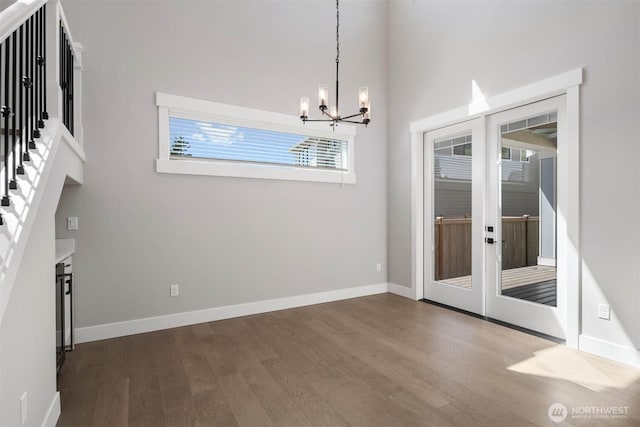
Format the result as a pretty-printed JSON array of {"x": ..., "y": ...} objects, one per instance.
[
  {"x": 259, "y": 346},
  {"x": 245, "y": 405},
  {"x": 79, "y": 407},
  {"x": 227, "y": 350},
  {"x": 280, "y": 407},
  {"x": 189, "y": 343},
  {"x": 175, "y": 391},
  {"x": 310, "y": 403},
  {"x": 112, "y": 404}
]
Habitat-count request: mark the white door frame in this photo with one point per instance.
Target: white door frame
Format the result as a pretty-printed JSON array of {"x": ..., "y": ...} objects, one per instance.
[{"x": 567, "y": 83}]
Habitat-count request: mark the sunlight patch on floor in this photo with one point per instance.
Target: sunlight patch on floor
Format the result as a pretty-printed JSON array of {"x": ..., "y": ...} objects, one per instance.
[{"x": 580, "y": 368}]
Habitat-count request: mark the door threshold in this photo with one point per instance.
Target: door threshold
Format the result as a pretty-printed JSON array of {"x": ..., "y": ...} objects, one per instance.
[{"x": 497, "y": 322}]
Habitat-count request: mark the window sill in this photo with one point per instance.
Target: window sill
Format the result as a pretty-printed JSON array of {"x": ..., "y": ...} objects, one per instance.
[{"x": 210, "y": 168}]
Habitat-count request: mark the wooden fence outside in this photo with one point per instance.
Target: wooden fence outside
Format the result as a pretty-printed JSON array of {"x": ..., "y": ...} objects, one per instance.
[{"x": 452, "y": 244}]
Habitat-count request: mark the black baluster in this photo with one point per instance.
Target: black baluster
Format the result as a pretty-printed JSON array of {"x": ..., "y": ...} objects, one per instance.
[
  {"x": 63, "y": 75},
  {"x": 20, "y": 111},
  {"x": 35, "y": 132},
  {"x": 26, "y": 82},
  {"x": 71, "y": 94},
  {"x": 45, "y": 115},
  {"x": 60, "y": 70},
  {"x": 2, "y": 111},
  {"x": 6, "y": 112},
  {"x": 36, "y": 82},
  {"x": 64, "y": 82},
  {"x": 13, "y": 184},
  {"x": 40, "y": 64},
  {"x": 68, "y": 82}
]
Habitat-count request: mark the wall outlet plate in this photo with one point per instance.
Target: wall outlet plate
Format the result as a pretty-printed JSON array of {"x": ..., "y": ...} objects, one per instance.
[
  {"x": 378, "y": 268},
  {"x": 604, "y": 311},
  {"x": 174, "y": 290}
]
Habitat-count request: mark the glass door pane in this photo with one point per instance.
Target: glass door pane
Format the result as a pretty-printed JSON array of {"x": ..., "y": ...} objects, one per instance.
[
  {"x": 528, "y": 178},
  {"x": 453, "y": 199}
]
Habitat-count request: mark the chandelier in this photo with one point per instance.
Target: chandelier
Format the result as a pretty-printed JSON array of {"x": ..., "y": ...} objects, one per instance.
[{"x": 332, "y": 114}]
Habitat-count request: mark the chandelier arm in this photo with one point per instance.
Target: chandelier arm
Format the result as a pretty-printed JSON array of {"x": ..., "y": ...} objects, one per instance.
[
  {"x": 352, "y": 121},
  {"x": 351, "y": 116},
  {"x": 319, "y": 120},
  {"x": 324, "y": 113}
]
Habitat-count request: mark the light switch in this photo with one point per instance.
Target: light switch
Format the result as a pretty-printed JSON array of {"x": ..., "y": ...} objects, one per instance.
[
  {"x": 72, "y": 223},
  {"x": 604, "y": 311}
]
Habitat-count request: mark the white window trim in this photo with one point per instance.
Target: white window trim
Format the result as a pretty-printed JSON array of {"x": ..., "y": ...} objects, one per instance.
[{"x": 248, "y": 117}]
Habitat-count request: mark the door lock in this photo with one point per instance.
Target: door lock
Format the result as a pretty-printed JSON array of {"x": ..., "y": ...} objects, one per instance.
[{"x": 489, "y": 240}]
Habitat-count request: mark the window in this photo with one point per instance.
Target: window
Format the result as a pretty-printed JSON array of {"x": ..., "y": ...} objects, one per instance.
[
  {"x": 462, "y": 150},
  {"x": 206, "y": 138},
  {"x": 460, "y": 145},
  {"x": 506, "y": 153}
]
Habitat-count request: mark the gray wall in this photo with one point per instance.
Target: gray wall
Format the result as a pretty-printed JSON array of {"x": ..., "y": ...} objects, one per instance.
[
  {"x": 438, "y": 48},
  {"x": 224, "y": 240}
]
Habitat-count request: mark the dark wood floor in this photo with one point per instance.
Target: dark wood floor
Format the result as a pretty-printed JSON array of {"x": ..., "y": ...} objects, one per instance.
[
  {"x": 380, "y": 360},
  {"x": 542, "y": 292}
]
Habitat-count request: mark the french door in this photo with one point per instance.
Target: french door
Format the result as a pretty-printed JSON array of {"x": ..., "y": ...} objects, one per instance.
[
  {"x": 491, "y": 216},
  {"x": 453, "y": 216}
]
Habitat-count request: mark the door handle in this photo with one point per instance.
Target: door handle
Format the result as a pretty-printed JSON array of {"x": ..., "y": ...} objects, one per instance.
[{"x": 490, "y": 240}]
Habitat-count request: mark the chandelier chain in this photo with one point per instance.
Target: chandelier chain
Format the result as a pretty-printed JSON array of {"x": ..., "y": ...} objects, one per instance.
[{"x": 337, "y": 31}]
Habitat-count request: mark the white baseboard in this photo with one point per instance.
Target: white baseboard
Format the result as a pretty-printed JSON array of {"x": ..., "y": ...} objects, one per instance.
[
  {"x": 403, "y": 291},
  {"x": 138, "y": 326},
  {"x": 609, "y": 350},
  {"x": 53, "y": 413}
]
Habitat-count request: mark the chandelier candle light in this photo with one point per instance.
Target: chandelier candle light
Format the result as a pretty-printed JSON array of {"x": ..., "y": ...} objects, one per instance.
[{"x": 333, "y": 113}]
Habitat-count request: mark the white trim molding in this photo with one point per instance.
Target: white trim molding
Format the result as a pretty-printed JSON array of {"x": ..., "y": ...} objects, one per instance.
[
  {"x": 229, "y": 169},
  {"x": 619, "y": 353},
  {"x": 16, "y": 14},
  {"x": 403, "y": 291},
  {"x": 567, "y": 84},
  {"x": 149, "y": 324},
  {"x": 552, "y": 86},
  {"x": 198, "y": 109},
  {"x": 53, "y": 413}
]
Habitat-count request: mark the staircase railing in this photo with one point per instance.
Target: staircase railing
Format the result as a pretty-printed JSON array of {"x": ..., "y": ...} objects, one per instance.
[{"x": 38, "y": 63}]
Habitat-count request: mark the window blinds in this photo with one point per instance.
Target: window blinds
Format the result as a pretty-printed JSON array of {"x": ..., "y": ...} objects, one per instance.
[{"x": 189, "y": 138}]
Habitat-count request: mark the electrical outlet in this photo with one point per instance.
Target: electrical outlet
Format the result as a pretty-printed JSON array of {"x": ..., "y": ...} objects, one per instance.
[
  {"x": 23, "y": 408},
  {"x": 604, "y": 311},
  {"x": 174, "y": 290},
  {"x": 378, "y": 267},
  {"x": 72, "y": 223}
]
